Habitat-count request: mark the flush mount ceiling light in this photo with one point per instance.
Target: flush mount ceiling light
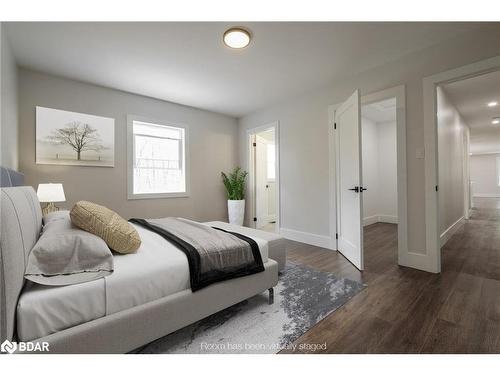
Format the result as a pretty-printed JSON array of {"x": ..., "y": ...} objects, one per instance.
[
  {"x": 492, "y": 104},
  {"x": 496, "y": 121},
  {"x": 237, "y": 37}
]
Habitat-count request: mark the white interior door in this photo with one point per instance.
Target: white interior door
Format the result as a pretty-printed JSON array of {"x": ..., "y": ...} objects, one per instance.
[
  {"x": 349, "y": 180},
  {"x": 261, "y": 194}
]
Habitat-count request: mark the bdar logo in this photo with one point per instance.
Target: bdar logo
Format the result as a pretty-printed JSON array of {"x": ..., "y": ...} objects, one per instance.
[{"x": 8, "y": 347}]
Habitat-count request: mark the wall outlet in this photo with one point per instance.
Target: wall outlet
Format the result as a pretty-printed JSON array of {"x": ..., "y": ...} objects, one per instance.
[{"x": 420, "y": 153}]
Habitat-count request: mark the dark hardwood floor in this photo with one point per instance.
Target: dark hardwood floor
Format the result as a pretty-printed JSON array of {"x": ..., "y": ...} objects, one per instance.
[{"x": 409, "y": 311}]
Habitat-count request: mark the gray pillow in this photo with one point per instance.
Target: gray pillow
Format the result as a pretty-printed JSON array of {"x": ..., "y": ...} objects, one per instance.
[{"x": 66, "y": 254}]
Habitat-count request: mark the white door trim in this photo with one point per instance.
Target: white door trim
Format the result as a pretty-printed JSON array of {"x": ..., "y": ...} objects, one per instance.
[
  {"x": 251, "y": 172},
  {"x": 399, "y": 92},
  {"x": 433, "y": 243}
]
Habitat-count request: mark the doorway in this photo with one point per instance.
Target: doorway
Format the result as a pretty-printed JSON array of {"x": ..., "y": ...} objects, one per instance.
[
  {"x": 379, "y": 170},
  {"x": 435, "y": 215},
  {"x": 347, "y": 206},
  {"x": 264, "y": 177},
  {"x": 468, "y": 124}
]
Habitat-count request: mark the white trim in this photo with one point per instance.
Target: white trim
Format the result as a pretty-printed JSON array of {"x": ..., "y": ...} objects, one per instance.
[
  {"x": 399, "y": 92},
  {"x": 130, "y": 159},
  {"x": 466, "y": 172},
  {"x": 486, "y": 195},
  {"x": 448, "y": 233},
  {"x": 485, "y": 153},
  {"x": 308, "y": 238},
  {"x": 369, "y": 220},
  {"x": 433, "y": 242},
  {"x": 250, "y": 136},
  {"x": 390, "y": 219}
]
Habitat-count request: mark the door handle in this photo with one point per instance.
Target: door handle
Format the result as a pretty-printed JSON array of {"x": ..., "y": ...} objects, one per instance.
[{"x": 358, "y": 189}]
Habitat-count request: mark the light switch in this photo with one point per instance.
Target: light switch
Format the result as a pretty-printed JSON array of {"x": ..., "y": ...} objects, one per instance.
[{"x": 420, "y": 153}]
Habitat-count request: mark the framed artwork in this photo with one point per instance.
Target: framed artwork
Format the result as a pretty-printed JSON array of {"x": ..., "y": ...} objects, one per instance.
[{"x": 71, "y": 138}]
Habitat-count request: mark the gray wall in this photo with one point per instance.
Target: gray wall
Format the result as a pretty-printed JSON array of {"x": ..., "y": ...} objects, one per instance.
[
  {"x": 304, "y": 132},
  {"x": 9, "y": 126},
  {"x": 212, "y": 144},
  {"x": 452, "y": 133}
]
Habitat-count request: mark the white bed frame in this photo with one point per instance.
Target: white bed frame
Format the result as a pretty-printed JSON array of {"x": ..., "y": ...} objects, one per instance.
[{"x": 116, "y": 333}]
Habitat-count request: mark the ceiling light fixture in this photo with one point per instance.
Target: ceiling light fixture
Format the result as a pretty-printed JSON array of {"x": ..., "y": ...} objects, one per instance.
[
  {"x": 492, "y": 104},
  {"x": 496, "y": 121},
  {"x": 237, "y": 37}
]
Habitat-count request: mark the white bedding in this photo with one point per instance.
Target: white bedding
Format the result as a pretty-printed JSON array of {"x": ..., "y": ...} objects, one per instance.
[{"x": 158, "y": 269}]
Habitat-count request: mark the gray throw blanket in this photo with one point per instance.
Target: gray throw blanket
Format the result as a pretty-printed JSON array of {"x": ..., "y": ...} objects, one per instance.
[{"x": 213, "y": 253}]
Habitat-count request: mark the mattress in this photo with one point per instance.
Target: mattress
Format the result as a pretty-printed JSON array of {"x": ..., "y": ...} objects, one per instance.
[{"x": 158, "y": 269}]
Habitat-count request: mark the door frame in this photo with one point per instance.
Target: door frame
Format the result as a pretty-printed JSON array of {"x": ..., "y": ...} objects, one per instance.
[
  {"x": 252, "y": 203},
  {"x": 432, "y": 257},
  {"x": 398, "y": 92}
]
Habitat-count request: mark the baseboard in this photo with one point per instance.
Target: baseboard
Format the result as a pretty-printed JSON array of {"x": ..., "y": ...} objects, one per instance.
[
  {"x": 308, "y": 238},
  {"x": 446, "y": 235},
  {"x": 380, "y": 219},
  {"x": 484, "y": 195},
  {"x": 418, "y": 261}
]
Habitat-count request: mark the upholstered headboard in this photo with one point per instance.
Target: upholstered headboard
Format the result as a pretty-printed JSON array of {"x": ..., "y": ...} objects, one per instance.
[
  {"x": 9, "y": 177},
  {"x": 21, "y": 224}
]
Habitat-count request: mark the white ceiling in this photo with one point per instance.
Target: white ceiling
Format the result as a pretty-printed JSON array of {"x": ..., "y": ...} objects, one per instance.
[
  {"x": 383, "y": 111},
  {"x": 471, "y": 97},
  {"x": 187, "y": 63}
]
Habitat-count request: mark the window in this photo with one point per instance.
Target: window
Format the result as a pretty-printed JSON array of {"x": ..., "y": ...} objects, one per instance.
[
  {"x": 271, "y": 161},
  {"x": 157, "y": 160}
]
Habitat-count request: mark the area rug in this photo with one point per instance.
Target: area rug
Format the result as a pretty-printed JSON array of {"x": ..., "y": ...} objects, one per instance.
[{"x": 303, "y": 297}]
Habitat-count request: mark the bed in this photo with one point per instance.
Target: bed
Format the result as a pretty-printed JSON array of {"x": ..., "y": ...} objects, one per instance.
[{"x": 148, "y": 296}]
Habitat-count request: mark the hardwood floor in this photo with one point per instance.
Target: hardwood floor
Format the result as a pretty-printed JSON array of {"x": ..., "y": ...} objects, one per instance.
[{"x": 409, "y": 311}]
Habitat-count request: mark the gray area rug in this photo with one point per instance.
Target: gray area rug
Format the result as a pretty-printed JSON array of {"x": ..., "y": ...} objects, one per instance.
[{"x": 302, "y": 298}]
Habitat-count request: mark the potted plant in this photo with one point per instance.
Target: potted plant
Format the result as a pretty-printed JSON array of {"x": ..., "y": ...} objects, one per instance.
[{"x": 235, "y": 187}]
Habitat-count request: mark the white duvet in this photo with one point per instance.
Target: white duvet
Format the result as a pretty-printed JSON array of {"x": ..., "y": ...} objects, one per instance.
[{"x": 158, "y": 269}]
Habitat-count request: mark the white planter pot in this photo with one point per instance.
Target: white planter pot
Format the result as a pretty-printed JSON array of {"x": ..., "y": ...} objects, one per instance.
[{"x": 236, "y": 211}]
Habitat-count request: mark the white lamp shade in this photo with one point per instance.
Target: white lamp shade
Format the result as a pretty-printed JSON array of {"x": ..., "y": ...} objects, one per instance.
[{"x": 51, "y": 193}]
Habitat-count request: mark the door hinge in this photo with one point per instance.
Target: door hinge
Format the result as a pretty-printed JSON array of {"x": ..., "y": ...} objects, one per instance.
[
  {"x": 336, "y": 236},
  {"x": 334, "y": 126},
  {"x": 254, "y": 219},
  {"x": 437, "y": 188},
  {"x": 254, "y": 144}
]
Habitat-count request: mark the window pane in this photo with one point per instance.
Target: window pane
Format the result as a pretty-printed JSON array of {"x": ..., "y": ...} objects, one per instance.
[
  {"x": 158, "y": 160},
  {"x": 271, "y": 163}
]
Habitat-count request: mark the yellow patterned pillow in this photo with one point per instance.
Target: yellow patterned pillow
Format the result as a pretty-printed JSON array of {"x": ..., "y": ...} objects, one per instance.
[{"x": 118, "y": 234}]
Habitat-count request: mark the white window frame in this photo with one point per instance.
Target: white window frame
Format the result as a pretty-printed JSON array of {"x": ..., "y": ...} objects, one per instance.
[{"x": 131, "y": 155}]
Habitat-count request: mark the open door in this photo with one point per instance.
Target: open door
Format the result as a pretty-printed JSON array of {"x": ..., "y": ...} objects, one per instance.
[
  {"x": 261, "y": 184},
  {"x": 349, "y": 180}
]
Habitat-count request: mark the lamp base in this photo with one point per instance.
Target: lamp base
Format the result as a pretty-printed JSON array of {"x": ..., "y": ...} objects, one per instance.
[{"x": 50, "y": 207}]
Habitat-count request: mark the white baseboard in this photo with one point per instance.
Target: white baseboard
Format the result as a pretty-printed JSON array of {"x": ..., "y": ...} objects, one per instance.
[
  {"x": 446, "y": 235},
  {"x": 484, "y": 195},
  {"x": 308, "y": 238},
  {"x": 380, "y": 219}
]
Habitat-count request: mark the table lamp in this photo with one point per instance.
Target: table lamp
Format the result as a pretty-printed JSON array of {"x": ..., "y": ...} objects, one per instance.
[{"x": 50, "y": 193}]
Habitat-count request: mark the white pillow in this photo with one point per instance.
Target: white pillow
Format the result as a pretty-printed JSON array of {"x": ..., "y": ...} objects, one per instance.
[{"x": 66, "y": 254}]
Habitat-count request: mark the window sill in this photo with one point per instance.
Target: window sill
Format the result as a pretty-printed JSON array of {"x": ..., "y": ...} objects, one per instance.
[{"x": 157, "y": 195}]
